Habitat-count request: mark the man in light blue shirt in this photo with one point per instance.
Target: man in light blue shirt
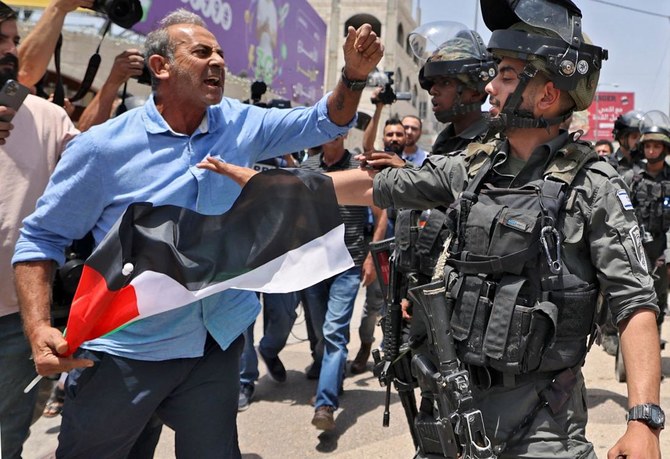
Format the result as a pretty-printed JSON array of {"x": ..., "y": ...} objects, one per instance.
[{"x": 182, "y": 365}]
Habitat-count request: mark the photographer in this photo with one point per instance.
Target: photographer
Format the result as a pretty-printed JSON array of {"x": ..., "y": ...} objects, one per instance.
[
  {"x": 393, "y": 136},
  {"x": 38, "y": 47},
  {"x": 30, "y": 146},
  {"x": 128, "y": 64}
]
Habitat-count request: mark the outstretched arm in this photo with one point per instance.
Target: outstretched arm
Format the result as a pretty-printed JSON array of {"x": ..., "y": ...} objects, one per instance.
[
  {"x": 352, "y": 187},
  {"x": 37, "y": 48},
  {"x": 362, "y": 52}
]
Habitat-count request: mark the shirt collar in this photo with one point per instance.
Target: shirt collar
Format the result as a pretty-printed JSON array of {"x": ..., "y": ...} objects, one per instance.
[
  {"x": 343, "y": 162},
  {"x": 156, "y": 124}
]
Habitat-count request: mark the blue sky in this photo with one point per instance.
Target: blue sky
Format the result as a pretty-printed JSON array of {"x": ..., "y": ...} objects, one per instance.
[{"x": 638, "y": 44}]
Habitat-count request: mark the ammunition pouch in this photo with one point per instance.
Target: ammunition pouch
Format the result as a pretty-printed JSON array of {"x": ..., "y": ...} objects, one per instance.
[
  {"x": 652, "y": 204},
  {"x": 499, "y": 325},
  {"x": 418, "y": 246}
]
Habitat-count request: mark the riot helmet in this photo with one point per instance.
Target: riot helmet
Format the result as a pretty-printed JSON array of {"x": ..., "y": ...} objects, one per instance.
[
  {"x": 449, "y": 49},
  {"x": 655, "y": 127},
  {"x": 547, "y": 34},
  {"x": 627, "y": 123}
]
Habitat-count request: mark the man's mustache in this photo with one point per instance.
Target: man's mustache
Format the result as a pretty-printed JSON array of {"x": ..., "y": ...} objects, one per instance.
[{"x": 9, "y": 59}]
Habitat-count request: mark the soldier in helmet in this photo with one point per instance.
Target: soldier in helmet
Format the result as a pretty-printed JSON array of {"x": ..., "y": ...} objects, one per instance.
[
  {"x": 649, "y": 184},
  {"x": 454, "y": 74},
  {"x": 456, "y": 68},
  {"x": 537, "y": 226},
  {"x": 627, "y": 133}
]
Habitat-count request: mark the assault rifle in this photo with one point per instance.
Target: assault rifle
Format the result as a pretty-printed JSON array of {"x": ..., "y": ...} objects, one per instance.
[
  {"x": 394, "y": 366},
  {"x": 456, "y": 428}
]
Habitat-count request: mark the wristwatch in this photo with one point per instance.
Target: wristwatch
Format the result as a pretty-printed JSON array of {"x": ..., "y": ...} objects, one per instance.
[
  {"x": 354, "y": 85},
  {"x": 650, "y": 414}
]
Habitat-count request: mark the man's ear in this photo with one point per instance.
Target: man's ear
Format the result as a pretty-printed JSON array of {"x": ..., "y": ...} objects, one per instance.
[
  {"x": 550, "y": 97},
  {"x": 159, "y": 66}
]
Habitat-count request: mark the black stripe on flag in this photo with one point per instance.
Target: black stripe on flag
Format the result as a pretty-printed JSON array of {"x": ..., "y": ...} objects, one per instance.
[{"x": 277, "y": 211}]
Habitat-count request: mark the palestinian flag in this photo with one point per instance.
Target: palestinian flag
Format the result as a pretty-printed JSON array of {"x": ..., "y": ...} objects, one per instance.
[{"x": 283, "y": 234}]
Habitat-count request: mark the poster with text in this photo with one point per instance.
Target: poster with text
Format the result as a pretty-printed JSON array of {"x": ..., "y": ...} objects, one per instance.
[
  {"x": 279, "y": 42},
  {"x": 598, "y": 121}
]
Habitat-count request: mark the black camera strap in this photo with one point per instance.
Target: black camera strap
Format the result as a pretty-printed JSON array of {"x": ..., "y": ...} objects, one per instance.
[
  {"x": 59, "y": 92},
  {"x": 89, "y": 76}
]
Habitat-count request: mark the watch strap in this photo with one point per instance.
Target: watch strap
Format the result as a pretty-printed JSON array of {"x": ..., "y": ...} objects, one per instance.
[
  {"x": 644, "y": 413},
  {"x": 354, "y": 85}
]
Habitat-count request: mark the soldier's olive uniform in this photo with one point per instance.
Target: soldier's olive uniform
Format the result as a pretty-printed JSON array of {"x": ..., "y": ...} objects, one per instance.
[
  {"x": 623, "y": 164},
  {"x": 521, "y": 313},
  {"x": 447, "y": 141},
  {"x": 651, "y": 198}
]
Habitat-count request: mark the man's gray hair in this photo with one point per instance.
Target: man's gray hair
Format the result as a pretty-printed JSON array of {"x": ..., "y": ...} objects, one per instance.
[{"x": 158, "y": 40}]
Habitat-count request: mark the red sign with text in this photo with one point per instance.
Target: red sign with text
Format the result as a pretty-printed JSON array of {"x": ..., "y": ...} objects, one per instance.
[{"x": 604, "y": 109}]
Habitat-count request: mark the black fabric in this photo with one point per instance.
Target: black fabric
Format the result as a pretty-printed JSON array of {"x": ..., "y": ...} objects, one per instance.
[{"x": 199, "y": 250}]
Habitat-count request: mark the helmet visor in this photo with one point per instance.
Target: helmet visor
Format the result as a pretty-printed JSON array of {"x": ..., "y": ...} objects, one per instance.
[{"x": 546, "y": 15}]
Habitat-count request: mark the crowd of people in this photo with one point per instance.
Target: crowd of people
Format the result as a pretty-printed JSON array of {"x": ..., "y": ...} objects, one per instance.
[{"x": 494, "y": 219}]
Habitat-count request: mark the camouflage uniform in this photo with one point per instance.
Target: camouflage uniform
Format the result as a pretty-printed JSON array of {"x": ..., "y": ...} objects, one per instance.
[{"x": 599, "y": 221}]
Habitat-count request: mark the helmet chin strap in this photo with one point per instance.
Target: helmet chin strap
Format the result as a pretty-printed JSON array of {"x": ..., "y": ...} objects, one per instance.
[
  {"x": 457, "y": 108},
  {"x": 511, "y": 116},
  {"x": 660, "y": 158}
]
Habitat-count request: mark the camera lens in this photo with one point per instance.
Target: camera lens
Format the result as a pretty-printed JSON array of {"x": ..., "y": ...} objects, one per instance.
[{"x": 12, "y": 87}]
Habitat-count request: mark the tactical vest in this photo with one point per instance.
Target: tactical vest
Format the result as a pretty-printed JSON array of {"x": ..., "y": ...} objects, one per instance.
[
  {"x": 517, "y": 308},
  {"x": 651, "y": 200}
]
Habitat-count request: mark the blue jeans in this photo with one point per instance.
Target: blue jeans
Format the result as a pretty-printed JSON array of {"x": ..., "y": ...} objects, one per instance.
[
  {"x": 331, "y": 305},
  {"x": 108, "y": 405},
  {"x": 278, "y": 318},
  {"x": 372, "y": 311},
  {"x": 16, "y": 372}
]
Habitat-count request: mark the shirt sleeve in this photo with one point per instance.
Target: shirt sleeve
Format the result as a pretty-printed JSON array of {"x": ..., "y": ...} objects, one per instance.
[
  {"x": 436, "y": 183},
  {"x": 616, "y": 248},
  {"x": 283, "y": 131}
]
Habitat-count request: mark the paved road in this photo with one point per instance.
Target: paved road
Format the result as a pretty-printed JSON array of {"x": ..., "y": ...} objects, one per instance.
[{"x": 277, "y": 424}]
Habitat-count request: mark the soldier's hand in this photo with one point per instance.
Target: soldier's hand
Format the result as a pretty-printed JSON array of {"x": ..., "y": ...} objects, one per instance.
[
  {"x": 49, "y": 346},
  {"x": 379, "y": 160},
  {"x": 362, "y": 52},
  {"x": 238, "y": 174},
  {"x": 639, "y": 442}
]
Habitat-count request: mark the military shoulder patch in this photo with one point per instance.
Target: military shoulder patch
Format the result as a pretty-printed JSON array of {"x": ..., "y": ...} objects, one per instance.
[
  {"x": 636, "y": 237},
  {"x": 624, "y": 199}
]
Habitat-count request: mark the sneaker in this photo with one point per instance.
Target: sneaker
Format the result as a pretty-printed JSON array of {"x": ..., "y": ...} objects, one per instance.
[
  {"x": 323, "y": 418},
  {"x": 314, "y": 371},
  {"x": 246, "y": 395},
  {"x": 275, "y": 367}
]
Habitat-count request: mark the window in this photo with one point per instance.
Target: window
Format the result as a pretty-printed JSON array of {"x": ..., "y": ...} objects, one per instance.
[{"x": 400, "y": 36}]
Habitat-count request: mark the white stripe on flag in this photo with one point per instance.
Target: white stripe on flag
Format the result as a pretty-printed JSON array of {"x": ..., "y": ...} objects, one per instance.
[{"x": 295, "y": 270}]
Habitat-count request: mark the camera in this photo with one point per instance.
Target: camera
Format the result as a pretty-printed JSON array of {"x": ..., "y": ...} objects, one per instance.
[
  {"x": 124, "y": 13},
  {"x": 387, "y": 95},
  {"x": 145, "y": 77}
]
